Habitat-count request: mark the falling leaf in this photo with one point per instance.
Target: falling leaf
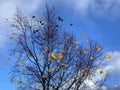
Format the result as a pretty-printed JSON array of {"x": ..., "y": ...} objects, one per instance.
[{"x": 60, "y": 56}]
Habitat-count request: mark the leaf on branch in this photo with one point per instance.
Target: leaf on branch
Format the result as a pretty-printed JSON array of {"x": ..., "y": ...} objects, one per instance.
[
  {"x": 75, "y": 42},
  {"x": 84, "y": 52},
  {"x": 87, "y": 41},
  {"x": 19, "y": 63},
  {"x": 101, "y": 71},
  {"x": 53, "y": 56},
  {"x": 51, "y": 60},
  {"x": 24, "y": 67},
  {"x": 60, "y": 56},
  {"x": 67, "y": 37},
  {"x": 16, "y": 55},
  {"x": 89, "y": 49},
  {"x": 43, "y": 76},
  {"x": 98, "y": 48},
  {"x": 109, "y": 56}
]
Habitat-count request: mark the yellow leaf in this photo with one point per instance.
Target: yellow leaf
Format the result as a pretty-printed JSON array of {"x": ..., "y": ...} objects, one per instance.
[
  {"x": 48, "y": 70},
  {"x": 43, "y": 76},
  {"x": 5, "y": 63},
  {"x": 51, "y": 60},
  {"x": 36, "y": 29},
  {"x": 89, "y": 49},
  {"x": 20, "y": 72},
  {"x": 58, "y": 78},
  {"x": 83, "y": 35},
  {"x": 101, "y": 71},
  {"x": 19, "y": 63},
  {"x": 60, "y": 56},
  {"x": 16, "y": 55},
  {"x": 31, "y": 20},
  {"x": 24, "y": 67},
  {"x": 77, "y": 47},
  {"x": 53, "y": 56},
  {"x": 39, "y": 85},
  {"x": 67, "y": 37},
  {"x": 109, "y": 56},
  {"x": 84, "y": 52},
  {"x": 64, "y": 70},
  {"x": 76, "y": 42},
  {"x": 87, "y": 41},
  {"x": 38, "y": 56},
  {"x": 38, "y": 20},
  {"x": 98, "y": 48}
]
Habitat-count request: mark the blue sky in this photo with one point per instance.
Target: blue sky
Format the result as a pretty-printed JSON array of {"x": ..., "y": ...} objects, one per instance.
[{"x": 99, "y": 19}]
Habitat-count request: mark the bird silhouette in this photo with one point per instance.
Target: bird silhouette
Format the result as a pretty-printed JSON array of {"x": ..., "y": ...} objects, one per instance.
[{"x": 33, "y": 16}]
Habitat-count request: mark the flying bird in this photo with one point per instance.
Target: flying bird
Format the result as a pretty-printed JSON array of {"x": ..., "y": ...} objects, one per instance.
[
  {"x": 71, "y": 24},
  {"x": 33, "y": 16}
]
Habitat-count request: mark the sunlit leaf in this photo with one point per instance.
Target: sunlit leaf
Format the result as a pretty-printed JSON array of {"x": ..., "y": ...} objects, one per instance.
[
  {"x": 53, "y": 56},
  {"x": 109, "y": 56},
  {"x": 58, "y": 78},
  {"x": 24, "y": 67},
  {"x": 98, "y": 48},
  {"x": 84, "y": 52},
  {"x": 19, "y": 63},
  {"x": 75, "y": 42},
  {"x": 16, "y": 55},
  {"x": 87, "y": 41},
  {"x": 101, "y": 71},
  {"x": 43, "y": 76},
  {"x": 83, "y": 35},
  {"x": 67, "y": 37},
  {"x": 89, "y": 49},
  {"x": 51, "y": 60},
  {"x": 60, "y": 56},
  {"x": 5, "y": 63}
]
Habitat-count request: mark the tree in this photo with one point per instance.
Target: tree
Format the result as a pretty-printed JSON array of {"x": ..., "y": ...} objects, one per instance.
[{"x": 49, "y": 58}]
